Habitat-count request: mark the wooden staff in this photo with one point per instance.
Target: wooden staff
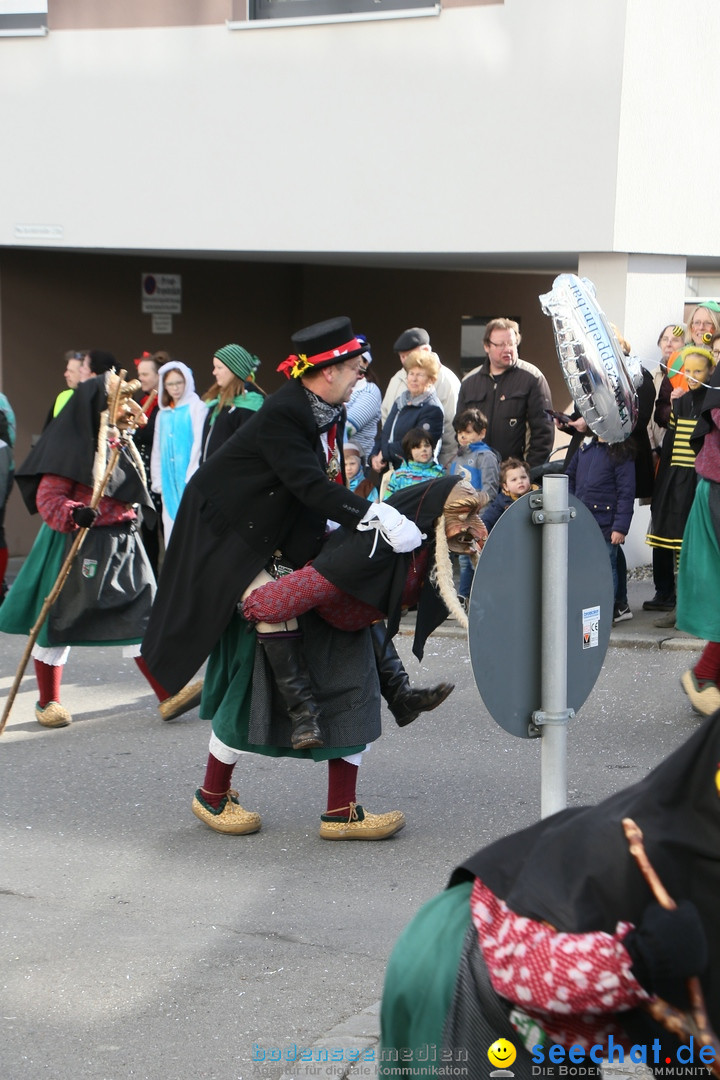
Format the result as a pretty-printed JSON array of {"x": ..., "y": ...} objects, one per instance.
[
  {"x": 98, "y": 492},
  {"x": 675, "y": 1021}
]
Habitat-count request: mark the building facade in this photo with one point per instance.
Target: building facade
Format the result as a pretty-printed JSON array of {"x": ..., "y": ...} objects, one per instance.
[{"x": 183, "y": 173}]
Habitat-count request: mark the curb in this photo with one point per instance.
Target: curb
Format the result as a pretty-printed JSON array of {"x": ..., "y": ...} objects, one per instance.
[
  {"x": 619, "y": 639},
  {"x": 338, "y": 1055}
]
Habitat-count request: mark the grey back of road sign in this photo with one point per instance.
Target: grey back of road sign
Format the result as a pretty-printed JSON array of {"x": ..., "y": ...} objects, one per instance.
[{"x": 505, "y": 614}]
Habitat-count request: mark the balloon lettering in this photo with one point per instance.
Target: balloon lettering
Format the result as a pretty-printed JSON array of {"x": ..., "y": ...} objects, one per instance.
[{"x": 600, "y": 378}]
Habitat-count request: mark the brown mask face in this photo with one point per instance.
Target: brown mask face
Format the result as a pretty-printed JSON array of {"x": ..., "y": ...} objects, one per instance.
[
  {"x": 464, "y": 528},
  {"x": 129, "y": 413}
]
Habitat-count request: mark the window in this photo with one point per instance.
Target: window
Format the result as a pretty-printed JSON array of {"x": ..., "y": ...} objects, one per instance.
[
  {"x": 283, "y": 9},
  {"x": 251, "y": 12},
  {"x": 23, "y": 18}
]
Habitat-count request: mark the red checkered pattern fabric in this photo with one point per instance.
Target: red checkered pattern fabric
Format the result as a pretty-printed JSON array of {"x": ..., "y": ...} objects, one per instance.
[
  {"x": 296, "y": 593},
  {"x": 57, "y": 497},
  {"x": 567, "y": 982}
]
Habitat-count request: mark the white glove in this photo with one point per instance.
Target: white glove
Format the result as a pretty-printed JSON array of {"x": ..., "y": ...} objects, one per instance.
[
  {"x": 405, "y": 536},
  {"x": 399, "y": 532}
]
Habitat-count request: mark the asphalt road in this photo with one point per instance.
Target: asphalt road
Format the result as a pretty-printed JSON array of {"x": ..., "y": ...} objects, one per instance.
[{"x": 137, "y": 943}]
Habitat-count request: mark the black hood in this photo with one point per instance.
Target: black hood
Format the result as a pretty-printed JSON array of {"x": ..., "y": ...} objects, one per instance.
[
  {"x": 575, "y": 871},
  {"x": 67, "y": 448},
  {"x": 378, "y": 576}
]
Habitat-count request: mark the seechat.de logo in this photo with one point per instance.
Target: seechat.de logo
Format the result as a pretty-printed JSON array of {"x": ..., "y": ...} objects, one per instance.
[{"x": 501, "y": 1054}]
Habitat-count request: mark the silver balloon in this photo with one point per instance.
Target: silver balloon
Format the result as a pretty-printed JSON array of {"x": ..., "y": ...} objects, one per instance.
[{"x": 600, "y": 378}]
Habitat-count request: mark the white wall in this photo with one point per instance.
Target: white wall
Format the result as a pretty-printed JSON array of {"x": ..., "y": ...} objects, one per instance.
[
  {"x": 669, "y": 154},
  {"x": 492, "y": 128},
  {"x": 639, "y": 293}
]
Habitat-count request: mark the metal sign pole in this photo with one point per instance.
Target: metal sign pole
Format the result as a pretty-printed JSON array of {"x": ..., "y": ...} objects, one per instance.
[{"x": 554, "y": 713}]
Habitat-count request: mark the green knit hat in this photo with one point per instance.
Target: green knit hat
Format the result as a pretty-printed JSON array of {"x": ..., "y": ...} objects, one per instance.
[{"x": 239, "y": 360}]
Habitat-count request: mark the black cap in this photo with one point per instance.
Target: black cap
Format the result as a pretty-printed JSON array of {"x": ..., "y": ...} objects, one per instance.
[{"x": 411, "y": 339}]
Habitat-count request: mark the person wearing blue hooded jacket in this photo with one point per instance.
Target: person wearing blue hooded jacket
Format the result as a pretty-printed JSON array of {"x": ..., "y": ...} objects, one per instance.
[
  {"x": 480, "y": 464},
  {"x": 603, "y": 478},
  {"x": 474, "y": 456}
]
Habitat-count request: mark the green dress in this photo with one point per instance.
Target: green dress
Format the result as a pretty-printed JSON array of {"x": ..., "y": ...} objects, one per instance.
[
  {"x": 233, "y": 670},
  {"x": 699, "y": 570},
  {"x": 106, "y": 597},
  {"x": 420, "y": 983}
]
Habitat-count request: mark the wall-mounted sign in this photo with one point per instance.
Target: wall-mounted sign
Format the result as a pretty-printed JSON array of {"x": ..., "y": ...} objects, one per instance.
[
  {"x": 161, "y": 323},
  {"x": 161, "y": 293},
  {"x": 38, "y": 232}
]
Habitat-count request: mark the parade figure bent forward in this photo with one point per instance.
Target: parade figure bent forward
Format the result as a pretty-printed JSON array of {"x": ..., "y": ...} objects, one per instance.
[
  {"x": 258, "y": 506},
  {"x": 107, "y": 595}
]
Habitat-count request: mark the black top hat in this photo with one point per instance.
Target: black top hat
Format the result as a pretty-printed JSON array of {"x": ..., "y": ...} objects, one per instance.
[{"x": 322, "y": 344}]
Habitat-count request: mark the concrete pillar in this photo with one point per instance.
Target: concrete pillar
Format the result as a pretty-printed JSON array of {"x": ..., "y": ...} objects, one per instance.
[{"x": 639, "y": 293}]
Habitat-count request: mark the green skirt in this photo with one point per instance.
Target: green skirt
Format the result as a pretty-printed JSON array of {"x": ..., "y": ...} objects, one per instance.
[
  {"x": 698, "y": 584},
  {"x": 106, "y": 598},
  {"x": 36, "y": 578},
  {"x": 227, "y": 697},
  {"x": 420, "y": 983}
]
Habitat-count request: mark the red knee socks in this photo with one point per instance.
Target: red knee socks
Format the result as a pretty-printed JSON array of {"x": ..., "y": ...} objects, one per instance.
[
  {"x": 49, "y": 677},
  {"x": 342, "y": 787},
  {"x": 707, "y": 668},
  {"x": 159, "y": 691},
  {"x": 217, "y": 781},
  {"x": 3, "y": 566}
]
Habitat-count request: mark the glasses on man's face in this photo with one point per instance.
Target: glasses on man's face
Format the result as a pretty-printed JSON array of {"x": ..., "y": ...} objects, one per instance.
[{"x": 503, "y": 344}]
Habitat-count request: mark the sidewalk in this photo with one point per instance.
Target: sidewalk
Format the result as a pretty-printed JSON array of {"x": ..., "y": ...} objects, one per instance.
[{"x": 639, "y": 632}]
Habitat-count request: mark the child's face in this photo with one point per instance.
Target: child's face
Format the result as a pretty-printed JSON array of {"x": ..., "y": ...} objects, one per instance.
[
  {"x": 352, "y": 466},
  {"x": 468, "y": 436},
  {"x": 697, "y": 370},
  {"x": 175, "y": 385},
  {"x": 422, "y": 453},
  {"x": 517, "y": 482}
]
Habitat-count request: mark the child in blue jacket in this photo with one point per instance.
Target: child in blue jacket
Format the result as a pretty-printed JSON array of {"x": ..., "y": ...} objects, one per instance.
[
  {"x": 514, "y": 483},
  {"x": 603, "y": 478},
  {"x": 419, "y": 464},
  {"x": 474, "y": 456},
  {"x": 480, "y": 464}
]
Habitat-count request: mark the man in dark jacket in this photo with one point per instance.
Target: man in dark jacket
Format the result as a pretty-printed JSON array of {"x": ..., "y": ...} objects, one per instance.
[
  {"x": 513, "y": 395},
  {"x": 265, "y": 499}
]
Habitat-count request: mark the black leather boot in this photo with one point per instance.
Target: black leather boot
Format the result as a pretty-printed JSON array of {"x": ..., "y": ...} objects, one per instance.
[
  {"x": 285, "y": 656},
  {"x": 404, "y": 703}
]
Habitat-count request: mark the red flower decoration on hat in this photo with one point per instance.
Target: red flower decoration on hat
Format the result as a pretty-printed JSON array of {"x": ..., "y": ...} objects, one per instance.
[{"x": 293, "y": 366}]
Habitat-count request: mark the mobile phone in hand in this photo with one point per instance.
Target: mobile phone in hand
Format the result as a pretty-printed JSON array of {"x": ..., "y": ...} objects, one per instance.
[{"x": 561, "y": 417}]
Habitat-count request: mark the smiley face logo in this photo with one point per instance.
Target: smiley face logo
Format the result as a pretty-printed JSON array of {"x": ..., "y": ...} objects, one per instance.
[{"x": 502, "y": 1054}]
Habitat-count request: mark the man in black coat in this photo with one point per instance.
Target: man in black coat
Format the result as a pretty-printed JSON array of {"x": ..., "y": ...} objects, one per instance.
[
  {"x": 266, "y": 497},
  {"x": 513, "y": 394}
]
